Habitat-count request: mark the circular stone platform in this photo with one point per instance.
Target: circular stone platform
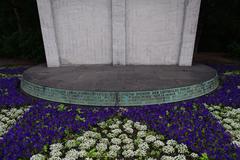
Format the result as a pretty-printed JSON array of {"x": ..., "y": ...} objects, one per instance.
[{"x": 105, "y": 85}]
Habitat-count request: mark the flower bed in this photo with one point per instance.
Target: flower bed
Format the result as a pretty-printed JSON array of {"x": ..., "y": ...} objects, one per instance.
[
  {"x": 117, "y": 138},
  {"x": 202, "y": 128}
]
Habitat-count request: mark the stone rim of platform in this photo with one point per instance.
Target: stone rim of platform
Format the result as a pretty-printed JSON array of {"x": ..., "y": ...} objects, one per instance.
[{"x": 120, "y": 98}]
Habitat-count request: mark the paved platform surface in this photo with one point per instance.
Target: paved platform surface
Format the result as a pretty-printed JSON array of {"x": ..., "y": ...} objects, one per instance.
[
  {"x": 105, "y": 85},
  {"x": 109, "y": 78}
]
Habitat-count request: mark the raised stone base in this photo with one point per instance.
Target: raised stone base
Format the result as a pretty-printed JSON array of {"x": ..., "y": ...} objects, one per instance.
[{"x": 105, "y": 85}]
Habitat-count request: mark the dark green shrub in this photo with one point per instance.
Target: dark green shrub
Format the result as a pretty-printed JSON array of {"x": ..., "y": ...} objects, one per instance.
[{"x": 234, "y": 49}]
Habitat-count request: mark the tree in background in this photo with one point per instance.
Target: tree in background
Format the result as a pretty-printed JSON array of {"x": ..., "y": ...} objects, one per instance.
[
  {"x": 20, "y": 34},
  {"x": 219, "y": 27}
]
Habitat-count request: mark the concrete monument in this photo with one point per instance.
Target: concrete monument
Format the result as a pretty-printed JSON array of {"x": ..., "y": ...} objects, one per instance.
[
  {"x": 119, "y": 32},
  {"x": 119, "y": 53}
]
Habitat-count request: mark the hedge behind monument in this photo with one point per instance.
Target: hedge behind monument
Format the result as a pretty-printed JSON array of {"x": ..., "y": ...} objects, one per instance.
[{"x": 20, "y": 34}]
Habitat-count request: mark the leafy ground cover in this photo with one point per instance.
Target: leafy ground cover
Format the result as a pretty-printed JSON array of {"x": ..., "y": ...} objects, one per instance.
[{"x": 203, "y": 128}]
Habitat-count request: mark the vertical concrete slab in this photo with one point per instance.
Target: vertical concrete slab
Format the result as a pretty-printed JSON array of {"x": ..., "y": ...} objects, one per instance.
[
  {"x": 84, "y": 31},
  {"x": 48, "y": 32},
  {"x": 119, "y": 32},
  {"x": 190, "y": 22},
  {"x": 153, "y": 31}
]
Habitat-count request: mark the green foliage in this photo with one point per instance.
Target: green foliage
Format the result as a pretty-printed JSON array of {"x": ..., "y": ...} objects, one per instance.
[
  {"x": 78, "y": 118},
  {"x": 234, "y": 49},
  {"x": 45, "y": 148},
  {"x": 20, "y": 33},
  {"x": 204, "y": 156},
  {"x": 219, "y": 26},
  {"x": 22, "y": 45},
  {"x": 61, "y": 107}
]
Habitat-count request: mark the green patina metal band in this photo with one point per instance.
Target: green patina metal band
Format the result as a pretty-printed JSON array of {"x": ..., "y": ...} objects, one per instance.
[{"x": 136, "y": 98}]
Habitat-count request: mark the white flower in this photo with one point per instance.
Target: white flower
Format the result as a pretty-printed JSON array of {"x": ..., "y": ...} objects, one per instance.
[
  {"x": 87, "y": 144},
  {"x": 127, "y": 140},
  {"x": 128, "y": 153},
  {"x": 11, "y": 122},
  {"x": 182, "y": 148},
  {"x": 80, "y": 139},
  {"x": 82, "y": 153},
  {"x": 140, "y": 152},
  {"x": 217, "y": 107},
  {"x": 4, "y": 110},
  {"x": 137, "y": 124},
  {"x": 167, "y": 158},
  {"x": 111, "y": 135},
  {"x": 211, "y": 109},
  {"x": 150, "y": 158},
  {"x": 114, "y": 126},
  {"x": 112, "y": 154},
  {"x": 141, "y": 134},
  {"x": 140, "y": 127},
  {"x": 55, "y": 158},
  {"x": 5, "y": 119},
  {"x": 226, "y": 126},
  {"x": 143, "y": 127},
  {"x": 116, "y": 131},
  {"x": 72, "y": 154},
  {"x": 194, "y": 155},
  {"x": 171, "y": 142},
  {"x": 129, "y": 130},
  {"x": 101, "y": 147},
  {"x": 138, "y": 141},
  {"x": 116, "y": 141},
  {"x": 102, "y": 125},
  {"x": 88, "y": 159},
  {"x": 38, "y": 157},
  {"x": 180, "y": 157},
  {"x": 1, "y": 116},
  {"x": 118, "y": 122},
  {"x": 237, "y": 134},
  {"x": 168, "y": 149},
  {"x": 150, "y": 139},
  {"x": 235, "y": 125},
  {"x": 216, "y": 112},
  {"x": 71, "y": 143},
  {"x": 55, "y": 153},
  {"x": 236, "y": 143},
  {"x": 123, "y": 136},
  {"x": 104, "y": 140},
  {"x": 228, "y": 120},
  {"x": 130, "y": 122},
  {"x": 128, "y": 146},
  {"x": 158, "y": 143},
  {"x": 92, "y": 134},
  {"x": 26, "y": 109},
  {"x": 115, "y": 148},
  {"x": 218, "y": 117},
  {"x": 105, "y": 131},
  {"x": 143, "y": 146}
]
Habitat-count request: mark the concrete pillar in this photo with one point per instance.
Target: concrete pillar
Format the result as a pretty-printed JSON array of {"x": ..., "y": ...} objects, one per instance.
[
  {"x": 119, "y": 32},
  {"x": 190, "y": 22},
  {"x": 48, "y": 33}
]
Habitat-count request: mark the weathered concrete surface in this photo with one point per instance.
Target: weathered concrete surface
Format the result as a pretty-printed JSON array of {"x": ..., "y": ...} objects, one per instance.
[
  {"x": 135, "y": 32},
  {"x": 48, "y": 33},
  {"x": 119, "y": 32},
  {"x": 122, "y": 78},
  {"x": 83, "y": 30}
]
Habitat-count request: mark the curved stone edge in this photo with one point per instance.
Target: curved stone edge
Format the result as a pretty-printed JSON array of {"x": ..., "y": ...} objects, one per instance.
[{"x": 137, "y": 98}]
